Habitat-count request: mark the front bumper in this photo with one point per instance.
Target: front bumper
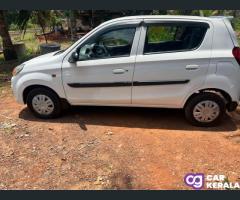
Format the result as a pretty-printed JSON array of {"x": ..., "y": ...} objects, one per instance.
[{"x": 17, "y": 95}]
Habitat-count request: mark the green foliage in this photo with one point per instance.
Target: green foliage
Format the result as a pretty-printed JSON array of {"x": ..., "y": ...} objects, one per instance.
[
  {"x": 13, "y": 27},
  {"x": 12, "y": 17},
  {"x": 160, "y": 33},
  {"x": 29, "y": 20},
  {"x": 236, "y": 24},
  {"x": 23, "y": 18},
  {"x": 55, "y": 19}
]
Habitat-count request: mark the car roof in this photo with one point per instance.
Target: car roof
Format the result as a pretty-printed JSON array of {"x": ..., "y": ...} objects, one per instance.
[{"x": 177, "y": 17}]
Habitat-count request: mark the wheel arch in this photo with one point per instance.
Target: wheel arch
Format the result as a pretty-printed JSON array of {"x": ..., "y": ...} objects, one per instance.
[
  {"x": 222, "y": 93},
  {"x": 31, "y": 87}
]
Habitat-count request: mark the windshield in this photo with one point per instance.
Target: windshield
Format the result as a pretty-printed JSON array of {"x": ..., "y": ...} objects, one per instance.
[{"x": 62, "y": 50}]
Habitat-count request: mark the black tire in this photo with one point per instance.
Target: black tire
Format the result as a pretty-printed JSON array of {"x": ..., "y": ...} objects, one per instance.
[
  {"x": 55, "y": 99},
  {"x": 203, "y": 97}
]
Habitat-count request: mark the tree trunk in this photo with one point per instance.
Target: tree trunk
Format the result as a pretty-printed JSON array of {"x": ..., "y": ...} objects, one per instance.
[
  {"x": 43, "y": 31},
  {"x": 73, "y": 24},
  {"x": 8, "y": 48}
]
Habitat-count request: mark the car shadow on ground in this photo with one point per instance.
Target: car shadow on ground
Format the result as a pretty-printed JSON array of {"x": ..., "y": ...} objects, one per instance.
[{"x": 147, "y": 118}]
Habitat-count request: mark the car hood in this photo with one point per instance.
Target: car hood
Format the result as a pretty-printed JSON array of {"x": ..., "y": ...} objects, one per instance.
[
  {"x": 43, "y": 58},
  {"x": 43, "y": 62}
]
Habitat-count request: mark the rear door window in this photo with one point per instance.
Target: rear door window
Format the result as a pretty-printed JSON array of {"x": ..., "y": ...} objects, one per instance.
[{"x": 170, "y": 37}]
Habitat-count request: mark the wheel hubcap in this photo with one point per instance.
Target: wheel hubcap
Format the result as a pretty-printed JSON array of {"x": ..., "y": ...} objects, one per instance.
[
  {"x": 206, "y": 111},
  {"x": 42, "y": 104}
]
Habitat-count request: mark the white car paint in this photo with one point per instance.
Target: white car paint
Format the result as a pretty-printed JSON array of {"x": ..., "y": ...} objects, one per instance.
[{"x": 212, "y": 65}]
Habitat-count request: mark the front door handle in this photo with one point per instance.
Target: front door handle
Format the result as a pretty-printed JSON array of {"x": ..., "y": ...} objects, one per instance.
[
  {"x": 119, "y": 71},
  {"x": 192, "y": 67}
]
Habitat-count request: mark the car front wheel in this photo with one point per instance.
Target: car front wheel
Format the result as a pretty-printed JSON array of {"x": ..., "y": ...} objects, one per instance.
[{"x": 44, "y": 103}]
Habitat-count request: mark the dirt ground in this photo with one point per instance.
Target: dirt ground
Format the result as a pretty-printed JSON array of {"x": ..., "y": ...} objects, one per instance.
[{"x": 111, "y": 148}]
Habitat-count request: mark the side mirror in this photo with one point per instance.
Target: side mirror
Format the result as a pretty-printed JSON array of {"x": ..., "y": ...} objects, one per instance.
[{"x": 74, "y": 57}]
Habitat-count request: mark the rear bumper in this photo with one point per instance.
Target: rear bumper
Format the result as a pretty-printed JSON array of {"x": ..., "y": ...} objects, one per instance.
[{"x": 232, "y": 106}]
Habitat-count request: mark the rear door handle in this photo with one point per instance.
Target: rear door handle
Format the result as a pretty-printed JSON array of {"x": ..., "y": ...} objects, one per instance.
[
  {"x": 192, "y": 67},
  {"x": 119, "y": 71}
]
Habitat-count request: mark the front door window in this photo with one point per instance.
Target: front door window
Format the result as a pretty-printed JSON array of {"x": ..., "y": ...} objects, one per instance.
[{"x": 114, "y": 43}]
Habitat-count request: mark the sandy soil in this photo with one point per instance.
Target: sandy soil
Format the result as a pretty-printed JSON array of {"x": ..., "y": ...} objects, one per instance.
[{"x": 111, "y": 148}]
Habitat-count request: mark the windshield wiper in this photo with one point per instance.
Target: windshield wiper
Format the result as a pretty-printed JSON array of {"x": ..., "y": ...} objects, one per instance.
[{"x": 59, "y": 52}]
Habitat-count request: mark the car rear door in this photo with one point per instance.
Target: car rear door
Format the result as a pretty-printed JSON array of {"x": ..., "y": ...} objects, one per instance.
[{"x": 173, "y": 59}]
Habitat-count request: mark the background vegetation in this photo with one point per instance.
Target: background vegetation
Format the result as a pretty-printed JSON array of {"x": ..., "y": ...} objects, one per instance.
[{"x": 23, "y": 26}]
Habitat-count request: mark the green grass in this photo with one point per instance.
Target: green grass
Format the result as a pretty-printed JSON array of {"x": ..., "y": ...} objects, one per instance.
[{"x": 32, "y": 43}]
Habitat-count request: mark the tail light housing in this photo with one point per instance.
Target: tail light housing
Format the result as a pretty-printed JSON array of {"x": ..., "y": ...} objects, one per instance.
[{"x": 236, "y": 54}]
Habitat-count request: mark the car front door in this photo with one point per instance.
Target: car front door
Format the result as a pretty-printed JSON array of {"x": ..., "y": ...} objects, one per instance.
[
  {"x": 103, "y": 73},
  {"x": 173, "y": 59}
]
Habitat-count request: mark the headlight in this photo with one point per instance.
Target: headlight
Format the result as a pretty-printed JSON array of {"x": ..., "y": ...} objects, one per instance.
[{"x": 17, "y": 69}]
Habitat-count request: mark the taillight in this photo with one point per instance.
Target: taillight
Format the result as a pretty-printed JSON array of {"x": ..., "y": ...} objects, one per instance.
[{"x": 236, "y": 54}]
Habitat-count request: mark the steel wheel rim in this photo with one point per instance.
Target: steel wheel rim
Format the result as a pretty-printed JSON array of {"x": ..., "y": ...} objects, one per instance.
[
  {"x": 206, "y": 111},
  {"x": 42, "y": 104}
]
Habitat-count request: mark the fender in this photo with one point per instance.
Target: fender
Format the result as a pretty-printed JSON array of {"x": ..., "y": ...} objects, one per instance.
[
  {"x": 39, "y": 78},
  {"x": 219, "y": 82}
]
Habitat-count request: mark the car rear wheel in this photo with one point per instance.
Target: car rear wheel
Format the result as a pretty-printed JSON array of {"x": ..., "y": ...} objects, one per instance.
[
  {"x": 205, "y": 109},
  {"x": 44, "y": 103}
]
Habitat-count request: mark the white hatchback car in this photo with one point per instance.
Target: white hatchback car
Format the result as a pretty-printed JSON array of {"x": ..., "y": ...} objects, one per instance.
[{"x": 142, "y": 61}]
